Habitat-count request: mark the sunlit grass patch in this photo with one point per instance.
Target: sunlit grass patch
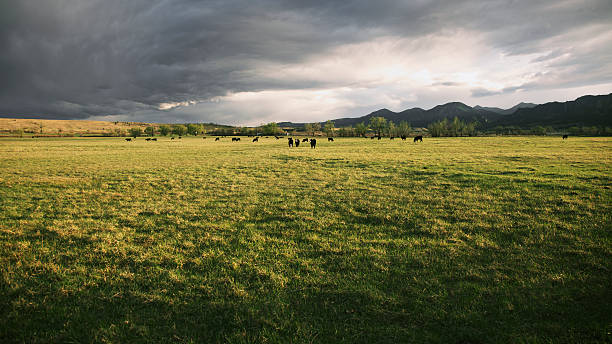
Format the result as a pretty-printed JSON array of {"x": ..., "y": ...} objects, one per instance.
[{"x": 450, "y": 240}]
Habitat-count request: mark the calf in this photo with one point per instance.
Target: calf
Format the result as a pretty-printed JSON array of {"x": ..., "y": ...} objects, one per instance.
[
  {"x": 290, "y": 140},
  {"x": 565, "y": 137},
  {"x": 313, "y": 143},
  {"x": 418, "y": 138},
  {"x": 331, "y": 139}
]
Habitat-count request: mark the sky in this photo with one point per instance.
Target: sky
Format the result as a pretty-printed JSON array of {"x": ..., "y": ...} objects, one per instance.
[{"x": 254, "y": 62}]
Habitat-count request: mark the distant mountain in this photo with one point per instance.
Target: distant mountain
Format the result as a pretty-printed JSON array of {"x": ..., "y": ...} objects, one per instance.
[
  {"x": 584, "y": 111},
  {"x": 507, "y": 111},
  {"x": 417, "y": 117}
]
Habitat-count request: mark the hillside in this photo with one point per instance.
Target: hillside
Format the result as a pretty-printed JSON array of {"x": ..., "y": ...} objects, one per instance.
[
  {"x": 11, "y": 126},
  {"x": 65, "y": 127},
  {"x": 507, "y": 111},
  {"x": 584, "y": 111}
]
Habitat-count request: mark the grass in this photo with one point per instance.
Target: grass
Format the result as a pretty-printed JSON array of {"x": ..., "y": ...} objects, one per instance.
[{"x": 455, "y": 240}]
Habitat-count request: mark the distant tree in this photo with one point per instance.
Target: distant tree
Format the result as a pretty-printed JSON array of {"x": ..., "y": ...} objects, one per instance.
[
  {"x": 315, "y": 127},
  {"x": 150, "y": 130},
  {"x": 270, "y": 129},
  {"x": 308, "y": 128},
  {"x": 194, "y": 129},
  {"x": 329, "y": 128},
  {"x": 164, "y": 130},
  {"x": 378, "y": 124},
  {"x": 135, "y": 131},
  {"x": 403, "y": 129},
  {"x": 361, "y": 129},
  {"x": 391, "y": 129},
  {"x": 179, "y": 130},
  {"x": 346, "y": 131}
]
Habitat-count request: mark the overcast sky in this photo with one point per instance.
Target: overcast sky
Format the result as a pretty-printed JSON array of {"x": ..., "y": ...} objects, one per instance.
[{"x": 253, "y": 62}]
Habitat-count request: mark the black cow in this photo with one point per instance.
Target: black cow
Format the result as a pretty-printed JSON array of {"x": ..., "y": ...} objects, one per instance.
[
  {"x": 372, "y": 137},
  {"x": 256, "y": 139},
  {"x": 418, "y": 138},
  {"x": 203, "y": 137},
  {"x": 180, "y": 137},
  {"x": 403, "y": 137},
  {"x": 128, "y": 139},
  {"x": 297, "y": 142},
  {"x": 565, "y": 137},
  {"x": 379, "y": 137},
  {"x": 216, "y": 139},
  {"x": 148, "y": 139},
  {"x": 331, "y": 139},
  {"x": 305, "y": 140},
  {"x": 290, "y": 140},
  {"x": 313, "y": 143},
  {"x": 276, "y": 137},
  {"x": 391, "y": 138},
  {"x": 172, "y": 138},
  {"x": 154, "y": 139},
  {"x": 236, "y": 139}
]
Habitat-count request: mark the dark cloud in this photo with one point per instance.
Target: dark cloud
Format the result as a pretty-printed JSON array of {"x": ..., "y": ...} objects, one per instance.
[{"x": 83, "y": 58}]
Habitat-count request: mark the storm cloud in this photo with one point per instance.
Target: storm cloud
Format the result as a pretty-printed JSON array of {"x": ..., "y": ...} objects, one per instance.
[{"x": 250, "y": 62}]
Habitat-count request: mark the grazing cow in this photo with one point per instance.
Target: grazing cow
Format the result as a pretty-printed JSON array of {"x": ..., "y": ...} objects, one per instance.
[
  {"x": 276, "y": 137},
  {"x": 305, "y": 140},
  {"x": 372, "y": 137},
  {"x": 180, "y": 137},
  {"x": 128, "y": 139},
  {"x": 379, "y": 137},
  {"x": 290, "y": 140},
  {"x": 331, "y": 139},
  {"x": 297, "y": 142},
  {"x": 216, "y": 139},
  {"x": 391, "y": 138},
  {"x": 203, "y": 137},
  {"x": 154, "y": 139},
  {"x": 172, "y": 138},
  {"x": 403, "y": 137},
  {"x": 418, "y": 138},
  {"x": 235, "y": 139},
  {"x": 256, "y": 139},
  {"x": 313, "y": 143},
  {"x": 565, "y": 137},
  {"x": 148, "y": 139}
]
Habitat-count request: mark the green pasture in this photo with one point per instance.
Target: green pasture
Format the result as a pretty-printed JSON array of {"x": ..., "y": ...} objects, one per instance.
[{"x": 453, "y": 240}]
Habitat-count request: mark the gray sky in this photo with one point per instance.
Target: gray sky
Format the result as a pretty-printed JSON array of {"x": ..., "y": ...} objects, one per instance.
[{"x": 253, "y": 62}]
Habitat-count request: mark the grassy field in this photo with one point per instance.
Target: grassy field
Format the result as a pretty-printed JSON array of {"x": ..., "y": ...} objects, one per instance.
[{"x": 455, "y": 240}]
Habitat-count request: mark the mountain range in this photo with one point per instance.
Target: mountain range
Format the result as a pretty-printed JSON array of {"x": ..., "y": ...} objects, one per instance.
[{"x": 584, "y": 111}]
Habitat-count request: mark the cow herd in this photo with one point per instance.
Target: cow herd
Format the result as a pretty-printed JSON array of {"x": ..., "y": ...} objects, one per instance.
[{"x": 293, "y": 142}]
